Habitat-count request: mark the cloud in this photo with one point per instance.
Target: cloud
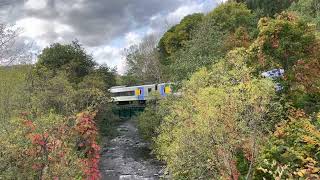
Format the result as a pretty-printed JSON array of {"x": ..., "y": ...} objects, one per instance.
[
  {"x": 36, "y": 4},
  {"x": 104, "y": 27},
  {"x": 95, "y": 21},
  {"x": 161, "y": 22},
  {"x": 113, "y": 54}
]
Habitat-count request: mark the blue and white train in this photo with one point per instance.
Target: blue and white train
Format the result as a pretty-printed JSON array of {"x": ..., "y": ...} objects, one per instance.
[
  {"x": 122, "y": 94},
  {"x": 274, "y": 74}
]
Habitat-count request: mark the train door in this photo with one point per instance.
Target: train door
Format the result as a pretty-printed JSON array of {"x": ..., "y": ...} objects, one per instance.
[
  {"x": 140, "y": 93},
  {"x": 164, "y": 89}
]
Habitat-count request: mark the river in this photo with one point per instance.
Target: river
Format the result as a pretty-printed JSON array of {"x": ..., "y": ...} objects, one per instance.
[{"x": 127, "y": 156}]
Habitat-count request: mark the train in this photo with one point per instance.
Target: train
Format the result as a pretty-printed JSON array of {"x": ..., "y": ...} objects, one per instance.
[{"x": 126, "y": 94}]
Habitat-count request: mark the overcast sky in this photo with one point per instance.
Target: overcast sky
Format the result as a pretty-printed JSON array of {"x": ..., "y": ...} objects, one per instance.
[{"x": 104, "y": 27}]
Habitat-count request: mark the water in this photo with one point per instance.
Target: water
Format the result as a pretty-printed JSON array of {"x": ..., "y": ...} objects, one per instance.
[{"x": 127, "y": 157}]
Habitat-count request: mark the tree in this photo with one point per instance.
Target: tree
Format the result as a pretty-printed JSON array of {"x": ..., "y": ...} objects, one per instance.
[
  {"x": 50, "y": 93},
  {"x": 70, "y": 58},
  {"x": 228, "y": 26},
  {"x": 12, "y": 76},
  {"x": 268, "y": 7},
  {"x": 129, "y": 80},
  {"x": 308, "y": 10},
  {"x": 223, "y": 113},
  {"x": 177, "y": 36},
  {"x": 143, "y": 61},
  {"x": 290, "y": 43},
  {"x": 10, "y": 54},
  {"x": 107, "y": 75}
]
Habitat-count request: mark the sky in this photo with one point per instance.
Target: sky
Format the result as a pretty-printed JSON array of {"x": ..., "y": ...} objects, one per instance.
[{"x": 103, "y": 27}]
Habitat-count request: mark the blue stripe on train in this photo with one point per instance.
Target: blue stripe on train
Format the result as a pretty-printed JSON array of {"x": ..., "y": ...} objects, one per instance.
[{"x": 162, "y": 92}]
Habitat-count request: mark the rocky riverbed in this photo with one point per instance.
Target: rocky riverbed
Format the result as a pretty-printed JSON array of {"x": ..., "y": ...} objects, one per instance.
[{"x": 127, "y": 157}]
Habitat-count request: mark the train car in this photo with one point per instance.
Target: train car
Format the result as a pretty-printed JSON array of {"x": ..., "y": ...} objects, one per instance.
[
  {"x": 123, "y": 94},
  {"x": 274, "y": 74}
]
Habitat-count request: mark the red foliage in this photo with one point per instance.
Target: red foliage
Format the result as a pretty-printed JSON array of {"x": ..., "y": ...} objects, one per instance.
[
  {"x": 235, "y": 173},
  {"x": 49, "y": 147},
  {"x": 87, "y": 129}
]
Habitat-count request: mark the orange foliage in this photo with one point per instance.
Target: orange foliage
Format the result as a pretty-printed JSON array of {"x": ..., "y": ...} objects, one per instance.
[
  {"x": 87, "y": 129},
  {"x": 52, "y": 148}
]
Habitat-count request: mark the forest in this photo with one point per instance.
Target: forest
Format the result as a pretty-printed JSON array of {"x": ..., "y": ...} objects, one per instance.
[{"x": 229, "y": 121}]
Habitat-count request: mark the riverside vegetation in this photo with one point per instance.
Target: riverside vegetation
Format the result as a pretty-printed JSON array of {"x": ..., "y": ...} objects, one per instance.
[
  {"x": 228, "y": 121},
  {"x": 51, "y": 113}
]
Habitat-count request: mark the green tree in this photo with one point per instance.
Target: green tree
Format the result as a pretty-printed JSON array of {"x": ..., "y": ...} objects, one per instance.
[
  {"x": 223, "y": 110},
  {"x": 290, "y": 43},
  {"x": 107, "y": 75},
  {"x": 70, "y": 58},
  {"x": 177, "y": 36},
  {"x": 51, "y": 94},
  {"x": 129, "y": 80},
  {"x": 308, "y": 10},
  {"x": 268, "y": 7},
  {"x": 210, "y": 41}
]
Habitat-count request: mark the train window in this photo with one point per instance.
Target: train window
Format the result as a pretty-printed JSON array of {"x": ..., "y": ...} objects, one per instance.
[
  {"x": 126, "y": 93},
  {"x": 156, "y": 87},
  {"x": 149, "y": 90}
]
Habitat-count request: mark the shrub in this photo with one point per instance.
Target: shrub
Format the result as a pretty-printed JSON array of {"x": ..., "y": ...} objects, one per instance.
[
  {"x": 223, "y": 111},
  {"x": 13, "y": 98},
  {"x": 150, "y": 119},
  {"x": 293, "y": 148},
  {"x": 50, "y": 147}
]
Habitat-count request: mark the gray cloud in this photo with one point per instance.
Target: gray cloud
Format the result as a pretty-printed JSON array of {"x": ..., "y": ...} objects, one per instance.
[
  {"x": 96, "y": 23},
  {"x": 93, "y": 21}
]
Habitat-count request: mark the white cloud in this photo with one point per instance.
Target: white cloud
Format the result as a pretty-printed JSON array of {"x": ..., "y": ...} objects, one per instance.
[
  {"x": 111, "y": 55},
  {"x": 37, "y": 29},
  {"x": 179, "y": 13},
  {"x": 132, "y": 38},
  {"x": 190, "y": 8},
  {"x": 62, "y": 28},
  {"x": 33, "y": 27},
  {"x": 36, "y": 4}
]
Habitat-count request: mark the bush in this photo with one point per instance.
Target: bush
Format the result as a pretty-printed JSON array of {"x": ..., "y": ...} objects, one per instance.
[
  {"x": 50, "y": 142},
  {"x": 106, "y": 120},
  {"x": 293, "y": 149},
  {"x": 223, "y": 111},
  {"x": 150, "y": 119},
  {"x": 50, "y": 147},
  {"x": 13, "y": 98}
]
